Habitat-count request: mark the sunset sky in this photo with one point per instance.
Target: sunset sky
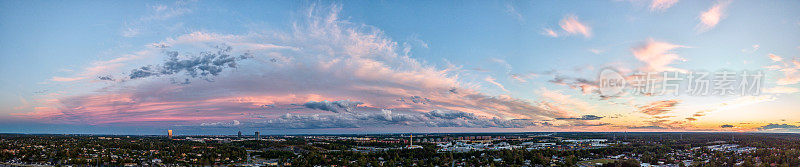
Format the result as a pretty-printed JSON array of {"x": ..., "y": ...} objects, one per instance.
[{"x": 290, "y": 67}]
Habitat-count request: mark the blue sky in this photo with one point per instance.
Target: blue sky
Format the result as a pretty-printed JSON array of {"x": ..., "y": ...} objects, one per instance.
[{"x": 351, "y": 66}]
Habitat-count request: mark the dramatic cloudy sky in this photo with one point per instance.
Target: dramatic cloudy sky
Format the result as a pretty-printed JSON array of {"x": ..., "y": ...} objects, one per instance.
[{"x": 283, "y": 67}]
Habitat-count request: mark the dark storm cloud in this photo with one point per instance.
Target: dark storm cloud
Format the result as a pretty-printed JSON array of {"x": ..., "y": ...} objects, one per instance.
[
  {"x": 558, "y": 80},
  {"x": 222, "y": 124},
  {"x": 105, "y": 78},
  {"x": 587, "y": 124},
  {"x": 184, "y": 82},
  {"x": 726, "y": 126},
  {"x": 778, "y": 126},
  {"x": 293, "y": 121},
  {"x": 453, "y": 90},
  {"x": 700, "y": 113},
  {"x": 646, "y": 127},
  {"x": 439, "y": 114},
  {"x": 442, "y": 118},
  {"x": 143, "y": 72},
  {"x": 584, "y": 85},
  {"x": 203, "y": 65},
  {"x": 41, "y": 91},
  {"x": 584, "y": 117},
  {"x": 416, "y": 100},
  {"x": 333, "y": 106},
  {"x": 435, "y": 118},
  {"x": 658, "y": 107}
]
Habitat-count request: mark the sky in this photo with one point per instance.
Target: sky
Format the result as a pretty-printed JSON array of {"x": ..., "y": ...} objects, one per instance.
[{"x": 322, "y": 67}]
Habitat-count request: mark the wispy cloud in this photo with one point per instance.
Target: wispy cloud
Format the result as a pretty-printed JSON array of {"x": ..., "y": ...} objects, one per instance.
[
  {"x": 789, "y": 67},
  {"x": 334, "y": 106},
  {"x": 781, "y": 90},
  {"x": 504, "y": 63},
  {"x": 163, "y": 12},
  {"x": 596, "y": 51},
  {"x": 562, "y": 101},
  {"x": 155, "y": 17},
  {"x": 66, "y": 79},
  {"x": 524, "y": 77},
  {"x": 657, "y": 56},
  {"x": 778, "y": 127},
  {"x": 661, "y": 5},
  {"x": 752, "y": 49},
  {"x": 658, "y": 107},
  {"x": 711, "y": 17},
  {"x": 584, "y": 117},
  {"x": 549, "y": 32},
  {"x": 321, "y": 59},
  {"x": 733, "y": 104},
  {"x": 511, "y": 10},
  {"x": 584, "y": 85},
  {"x": 775, "y": 58},
  {"x": 571, "y": 25},
  {"x": 491, "y": 80},
  {"x": 99, "y": 68}
]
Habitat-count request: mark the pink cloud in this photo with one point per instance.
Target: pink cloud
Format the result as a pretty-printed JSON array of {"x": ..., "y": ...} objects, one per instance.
[
  {"x": 99, "y": 68},
  {"x": 66, "y": 79},
  {"x": 571, "y": 25},
  {"x": 550, "y": 32},
  {"x": 781, "y": 90},
  {"x": 711, "y": 17},
  {"x": 657, "y": 56},
  {"x": 775, "y": 58},
  {"x": 790, "y": 77},
  {"x": 753, "y": 48},
  {"x": 566, "y": 101},
  {"x": 492, "y": 81},
  {"x": 661, "y": 5},
  {"x": 596, "y": 51},
  {"x": 658, "y": 107},
  {"x": 773, "y": 67},
  {"x": 329, "y": 59},
  {"x": 790, "y": 71}
]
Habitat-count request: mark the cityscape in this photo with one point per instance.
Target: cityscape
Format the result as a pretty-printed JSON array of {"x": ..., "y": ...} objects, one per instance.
[
  {"x": 445, "y": 83},
  {"x": 666, "y": 149}
]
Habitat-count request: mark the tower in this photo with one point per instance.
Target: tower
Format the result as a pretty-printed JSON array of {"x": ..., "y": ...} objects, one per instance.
[
  {"x": 411, "y": 140},
  {"x": 240, "y": 135},
  {"x": 169, "y": 134},
  {"x": 258, "y": 137}
]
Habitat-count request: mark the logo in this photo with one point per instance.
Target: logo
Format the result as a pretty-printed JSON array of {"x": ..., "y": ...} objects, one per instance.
[{"x": 610, "y": 82}]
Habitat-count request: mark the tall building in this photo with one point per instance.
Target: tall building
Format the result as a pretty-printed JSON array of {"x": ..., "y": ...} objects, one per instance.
[
  {"x": 169, "y": 134},
  {"x": 258, "y": 137},
  {"x": 411, "y": 143},
  {"x": 240, "y": 134}
]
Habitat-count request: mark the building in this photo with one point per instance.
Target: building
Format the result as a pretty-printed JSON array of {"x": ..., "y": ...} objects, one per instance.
[
  {"x": 534, "y": 144},
  {"x": 240, "y": 135},
  {"x": 169, "y": 134},
  {"x": 257, "y": 137},
  {"x": 411, "y": 144}
]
